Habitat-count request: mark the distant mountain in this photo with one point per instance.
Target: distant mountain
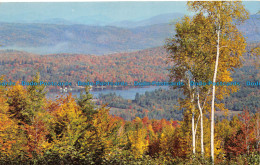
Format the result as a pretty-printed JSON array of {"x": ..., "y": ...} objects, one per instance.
[
  {"x": 91, "y": 21},
  {"x": 54, "y": 21},
  {"x": 163, "y": 18},
  {"x": 251, "y": 28},
  {"x": 43, "y": 38},
  {"x": 97, "y": 20},
  {"x": 50, "y": 38},
  {"x": 94, "y": 20}
]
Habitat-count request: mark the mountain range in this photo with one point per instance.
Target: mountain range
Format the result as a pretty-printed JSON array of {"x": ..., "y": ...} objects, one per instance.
[{"x": 61, "y": 36}]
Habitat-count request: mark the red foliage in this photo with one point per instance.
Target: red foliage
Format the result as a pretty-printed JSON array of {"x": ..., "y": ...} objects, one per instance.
[{"x": 242, "y": 141}]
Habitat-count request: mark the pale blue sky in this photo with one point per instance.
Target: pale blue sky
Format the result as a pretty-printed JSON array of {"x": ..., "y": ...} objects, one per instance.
[{"x": 103, "y": 11}]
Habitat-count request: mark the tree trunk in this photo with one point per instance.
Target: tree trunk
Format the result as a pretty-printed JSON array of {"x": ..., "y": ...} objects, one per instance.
[
  {"x": 201, "y": 129},
  {"x": 193, "y": 132},
  {"x": 192, "y": 119},
  {"x": 257, "y": 132},
  {"x": 213, "y": 100}
]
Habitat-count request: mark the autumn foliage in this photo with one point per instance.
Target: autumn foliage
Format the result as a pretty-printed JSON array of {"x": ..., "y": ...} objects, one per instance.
[{"x": 67, "y": 130}]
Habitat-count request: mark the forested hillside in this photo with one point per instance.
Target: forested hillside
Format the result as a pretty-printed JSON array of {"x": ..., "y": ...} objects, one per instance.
[
  {"x": 159, "y": 104},
  {"x": 145, "y": 65}
]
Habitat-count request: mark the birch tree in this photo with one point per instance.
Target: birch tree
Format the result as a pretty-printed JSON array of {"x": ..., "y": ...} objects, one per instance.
[
  {"x": 207, "y": 48},
  {"x": 191, "y": 66},
  {"x": 229, "y": 43}
]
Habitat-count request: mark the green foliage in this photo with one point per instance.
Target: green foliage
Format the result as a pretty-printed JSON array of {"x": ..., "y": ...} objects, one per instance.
[
  {"x": 36, "y": 95},
  {"x": 85, "y": 103},
  {"x": 157, "y": 104}
]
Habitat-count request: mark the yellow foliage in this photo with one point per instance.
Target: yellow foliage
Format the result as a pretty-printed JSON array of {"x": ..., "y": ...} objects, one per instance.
[
  {"x": 68, "y": 123},
  {"x": 139, "y": 144},
  {"x": 10, "y": 138}
]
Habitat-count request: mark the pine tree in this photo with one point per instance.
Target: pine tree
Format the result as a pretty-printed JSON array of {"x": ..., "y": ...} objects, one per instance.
[
  {"x": 36, "y": 95},
  {"x": 85, "y": 103}
]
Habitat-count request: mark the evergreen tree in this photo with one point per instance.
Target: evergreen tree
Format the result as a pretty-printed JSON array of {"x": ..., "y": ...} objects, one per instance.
[
  {"x": 36, "y": 95},
  {"x": 85, "y": 103}
]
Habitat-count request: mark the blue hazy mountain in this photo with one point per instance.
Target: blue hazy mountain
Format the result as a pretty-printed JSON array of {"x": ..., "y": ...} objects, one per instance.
[
  {"x": 101, "y": 20},
  {"x": 62, "y": 36},
  {"x": 79, "y": 38},
  {"x": 159, "y": 19}
]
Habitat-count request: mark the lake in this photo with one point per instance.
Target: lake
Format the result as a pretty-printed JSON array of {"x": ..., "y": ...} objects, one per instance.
[{"x": 125, "y": 93}]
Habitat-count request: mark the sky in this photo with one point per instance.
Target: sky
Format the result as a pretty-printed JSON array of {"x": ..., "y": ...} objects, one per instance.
[{"x": 101, "y": 11}]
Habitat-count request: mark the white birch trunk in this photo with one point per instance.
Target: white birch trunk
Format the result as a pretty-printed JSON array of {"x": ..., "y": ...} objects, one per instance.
[
  {"x": 257, "y": 132},
  {"x": 213, "y": 99},
  {"x": 193, "y": 132},
  {"x": 201, "y": 129},
  {"x": 192, "y": 118}
]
